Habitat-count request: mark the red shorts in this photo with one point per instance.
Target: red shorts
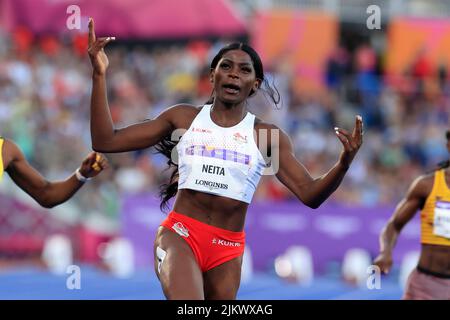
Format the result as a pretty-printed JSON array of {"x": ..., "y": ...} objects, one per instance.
[{"x": 212, "y": 246}]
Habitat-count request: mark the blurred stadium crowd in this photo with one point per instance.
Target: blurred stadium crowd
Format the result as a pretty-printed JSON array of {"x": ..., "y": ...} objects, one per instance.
[
  {"x": 45, "y": 96},
  {"x": 45, "y": 86}
]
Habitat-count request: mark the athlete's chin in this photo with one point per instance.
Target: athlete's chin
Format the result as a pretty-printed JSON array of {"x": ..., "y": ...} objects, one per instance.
[{"x": 227, "y": 100}]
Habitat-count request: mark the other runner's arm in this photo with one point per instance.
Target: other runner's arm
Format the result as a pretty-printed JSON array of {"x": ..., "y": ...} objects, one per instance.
[
  {"x": 48, "y": 194},
  {"x": 404, "y": 212}
]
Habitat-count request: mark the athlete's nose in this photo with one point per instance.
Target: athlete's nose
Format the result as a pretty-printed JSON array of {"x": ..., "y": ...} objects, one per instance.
[{"x": 234, "y": 73}]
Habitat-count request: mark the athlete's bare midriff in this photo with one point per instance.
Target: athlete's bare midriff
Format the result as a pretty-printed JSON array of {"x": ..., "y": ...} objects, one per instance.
[
  {"x": 435, "y": 258},
  {"x": 211, "y": 209}
]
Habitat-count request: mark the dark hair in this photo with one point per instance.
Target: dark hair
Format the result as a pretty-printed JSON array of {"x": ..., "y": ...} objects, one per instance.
[
  {"x": 446, "y": 163},
  {"x": 271, "y": 90},
  {"x": 170, "y": 189},
  {"x": 441, "y": 165}
]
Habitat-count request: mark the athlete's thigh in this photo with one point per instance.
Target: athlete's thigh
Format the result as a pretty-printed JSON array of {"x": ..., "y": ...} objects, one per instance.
[
  {"x": 176, "y": 267},
  {"x": 222, "y": 282},
  {"x": 418, "y": 287}
]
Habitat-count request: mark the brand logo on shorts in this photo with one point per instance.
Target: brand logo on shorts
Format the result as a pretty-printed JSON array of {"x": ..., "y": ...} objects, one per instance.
[
  {"x": 180, "y": 229},
  {"x": 225, "y": 243}
]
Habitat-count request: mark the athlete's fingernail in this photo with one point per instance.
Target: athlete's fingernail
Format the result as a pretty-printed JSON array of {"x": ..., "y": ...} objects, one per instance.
[
  {"x": 113, "y": 38},
  {"x": 336, "y": 128},
  {"x": 359, "y": 117}
]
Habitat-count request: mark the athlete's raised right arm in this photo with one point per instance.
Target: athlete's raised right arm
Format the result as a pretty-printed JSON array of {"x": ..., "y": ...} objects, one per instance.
[
  {"x": 404, "y": 212},
  {"x": 105, "y": 138}
]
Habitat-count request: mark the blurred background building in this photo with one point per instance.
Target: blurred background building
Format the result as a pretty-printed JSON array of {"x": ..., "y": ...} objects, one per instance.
[{"x": 321, "y": 55}]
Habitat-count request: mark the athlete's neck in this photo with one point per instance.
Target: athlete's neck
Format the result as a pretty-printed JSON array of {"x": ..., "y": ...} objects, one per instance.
[{"x": 227, "y": 115}]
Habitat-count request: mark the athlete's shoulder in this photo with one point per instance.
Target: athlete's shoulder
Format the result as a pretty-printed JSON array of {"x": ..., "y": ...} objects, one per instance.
[
  {"x": 183, "y": 107},
  {"x": 273, "y": 134},
  {"x": 177, "y": 112},
  {"x": 11, "y": 152},
  {"x": 261, "y": 124},
  {"x": 425, "y": 178},
  {"x": 180, "y": 115},
  {"x": 183, "y": 110},
  {"x": 8, "y": 143},
  {"x": 422, "y": 185},
  {"x": 271, "y": 129},
  {"x": 11, "y": 147}
]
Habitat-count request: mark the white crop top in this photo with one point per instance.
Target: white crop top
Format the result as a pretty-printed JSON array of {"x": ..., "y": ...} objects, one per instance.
[{"x": 219, "y": 160}]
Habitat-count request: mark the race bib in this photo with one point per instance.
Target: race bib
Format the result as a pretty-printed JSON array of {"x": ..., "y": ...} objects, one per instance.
[{"x": 442, "y": 219}]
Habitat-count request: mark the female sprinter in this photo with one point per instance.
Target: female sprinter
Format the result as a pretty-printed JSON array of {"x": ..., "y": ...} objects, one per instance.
[
  {"x": 430, "y": 194},
  {"x": 199, "y": 247}
]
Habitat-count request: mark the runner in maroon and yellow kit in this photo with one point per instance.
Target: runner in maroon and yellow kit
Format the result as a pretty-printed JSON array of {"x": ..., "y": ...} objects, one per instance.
[{"x": 431, "y": 194}]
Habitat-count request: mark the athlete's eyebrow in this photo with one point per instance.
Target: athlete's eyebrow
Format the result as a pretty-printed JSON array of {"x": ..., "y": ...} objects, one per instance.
[{"x": 240, "y": 63}]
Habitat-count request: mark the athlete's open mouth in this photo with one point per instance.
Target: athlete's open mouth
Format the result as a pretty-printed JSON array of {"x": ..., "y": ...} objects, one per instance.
[{"x": 231, "y": 88}]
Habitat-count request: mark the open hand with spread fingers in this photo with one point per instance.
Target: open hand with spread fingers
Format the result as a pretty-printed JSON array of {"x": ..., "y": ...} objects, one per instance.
[
  {"x": 96, "y": 51},
  {"x": 351, "y": 142}
]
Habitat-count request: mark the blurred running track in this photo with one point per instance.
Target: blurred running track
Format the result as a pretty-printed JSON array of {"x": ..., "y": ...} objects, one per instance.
[{"x": 32, "y": 283}]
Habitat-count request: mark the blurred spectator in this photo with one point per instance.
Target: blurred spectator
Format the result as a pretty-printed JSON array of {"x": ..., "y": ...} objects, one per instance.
[
  {"x": 44, "y": 106},
  {"x": 337, "y": 68}
]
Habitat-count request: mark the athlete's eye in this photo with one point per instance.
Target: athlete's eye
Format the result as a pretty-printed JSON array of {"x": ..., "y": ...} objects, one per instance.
[
  {"x": 246, "y": 70},
  {"x": 224, "y": 65}
]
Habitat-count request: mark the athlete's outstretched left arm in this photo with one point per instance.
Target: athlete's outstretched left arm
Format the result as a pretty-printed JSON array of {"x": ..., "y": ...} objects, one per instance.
[
  {"x": 47, "y": 193},
  {"x": 313, "y": 192}
]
